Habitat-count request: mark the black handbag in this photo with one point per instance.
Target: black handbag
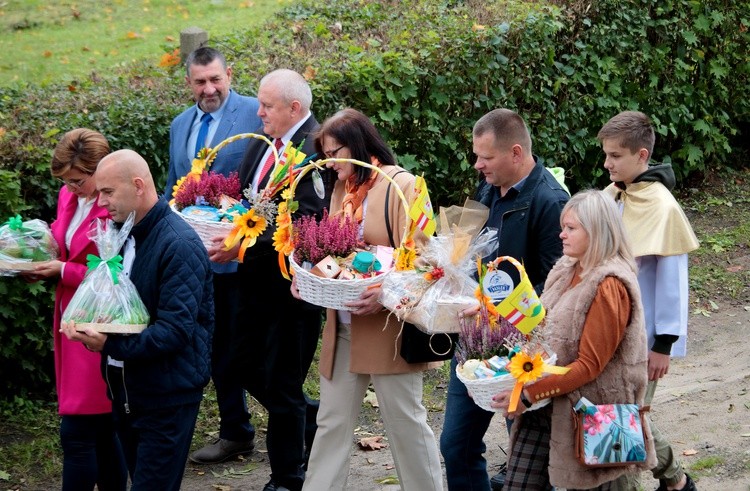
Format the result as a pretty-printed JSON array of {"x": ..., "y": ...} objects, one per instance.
[{"x": 416, "y": 345}]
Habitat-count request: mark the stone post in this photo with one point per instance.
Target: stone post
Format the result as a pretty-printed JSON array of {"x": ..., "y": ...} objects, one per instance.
[{"x": 191, "y": 39}]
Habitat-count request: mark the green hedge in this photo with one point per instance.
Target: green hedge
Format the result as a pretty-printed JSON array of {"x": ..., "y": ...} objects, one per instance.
[{"x": 424, "y": 70}]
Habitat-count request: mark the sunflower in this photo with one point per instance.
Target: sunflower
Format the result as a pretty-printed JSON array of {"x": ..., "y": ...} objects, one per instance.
[
  {"x": 526, "y": 369},
  {"x": 247, "y": 228},
  {"x": 282, "y": 241}
]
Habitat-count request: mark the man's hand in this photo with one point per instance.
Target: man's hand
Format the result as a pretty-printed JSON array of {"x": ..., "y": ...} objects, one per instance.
[
  {"x": 217, "y": 252},
  {"x": 92, "y": 340},
  {"x": 367, "y": 303},
  {"x": 658, "y": 365}
]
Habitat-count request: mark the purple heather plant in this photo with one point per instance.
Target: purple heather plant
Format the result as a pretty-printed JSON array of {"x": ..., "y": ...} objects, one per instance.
[
  {"x": 477, "y": 340},
  {"x": 331, "y": 236}
]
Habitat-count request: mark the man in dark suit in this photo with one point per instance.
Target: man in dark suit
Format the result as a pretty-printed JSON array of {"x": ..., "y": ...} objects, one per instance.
[
  {"x": 276, "y": 334},
  {"x": 218, "y": 113}
]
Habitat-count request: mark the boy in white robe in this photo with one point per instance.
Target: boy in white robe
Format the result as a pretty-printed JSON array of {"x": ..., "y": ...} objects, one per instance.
[{"x": 662, "y": 238}]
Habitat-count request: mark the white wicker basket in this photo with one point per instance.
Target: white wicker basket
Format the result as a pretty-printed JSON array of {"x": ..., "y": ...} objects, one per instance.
[
  {"x": 206, "y": 229},
  {"x": 482, "y": 390},
  {"x": 327, "y": 292}
]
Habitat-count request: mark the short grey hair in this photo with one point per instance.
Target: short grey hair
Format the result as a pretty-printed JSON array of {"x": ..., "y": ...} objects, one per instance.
[{"x": 291, "y": 85}]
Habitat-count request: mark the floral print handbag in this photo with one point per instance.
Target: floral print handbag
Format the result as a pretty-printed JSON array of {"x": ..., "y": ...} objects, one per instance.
[{"x": 609, "y": 435}]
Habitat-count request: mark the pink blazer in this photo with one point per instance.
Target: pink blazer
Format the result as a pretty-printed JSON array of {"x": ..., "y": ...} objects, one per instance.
[{"x": 80, "y": 386}]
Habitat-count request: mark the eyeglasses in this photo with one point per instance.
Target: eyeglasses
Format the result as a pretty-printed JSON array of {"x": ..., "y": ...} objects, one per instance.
[
  {"x": 332, "y": 153},
  {"x": 75, "y": 183}
]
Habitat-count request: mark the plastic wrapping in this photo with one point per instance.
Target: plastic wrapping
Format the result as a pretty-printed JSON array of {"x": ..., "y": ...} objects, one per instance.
[
  {"x": 441, "y": 285},
  {"x": 107, "y": 300},
  {"x": 22, "y": 244}
]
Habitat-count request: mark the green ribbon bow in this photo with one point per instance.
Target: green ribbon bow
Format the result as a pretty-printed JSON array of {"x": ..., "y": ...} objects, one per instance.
[
  {"x": 15, "y": 223},
  {"x": 114, "y": 264}
]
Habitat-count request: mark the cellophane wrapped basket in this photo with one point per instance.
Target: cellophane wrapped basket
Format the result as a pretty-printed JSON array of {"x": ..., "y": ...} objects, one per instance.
[
  {"x": 334, "y": 293},
  {"x": 482, "y": 390},
  {"x": 25, "y": 244},
  {"x": 106, "y": 300}
]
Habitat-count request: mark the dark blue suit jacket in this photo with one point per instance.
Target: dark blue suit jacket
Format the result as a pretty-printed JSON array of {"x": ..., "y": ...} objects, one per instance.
[{"x": 240, "y": 116}]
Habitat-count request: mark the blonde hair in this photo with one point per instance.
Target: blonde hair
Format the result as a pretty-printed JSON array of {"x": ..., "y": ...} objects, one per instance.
[{"x": 600, "y": 218}]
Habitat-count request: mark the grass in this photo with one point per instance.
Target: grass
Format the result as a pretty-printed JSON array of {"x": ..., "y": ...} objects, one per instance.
[{"x": 45, "y": 41}]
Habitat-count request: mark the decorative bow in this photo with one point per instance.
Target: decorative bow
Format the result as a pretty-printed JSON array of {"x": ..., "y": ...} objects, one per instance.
[
  {"x": 114, "y": 264},
  {"x": 15, "y": 223},
  {"x": 525, "y": 369}
]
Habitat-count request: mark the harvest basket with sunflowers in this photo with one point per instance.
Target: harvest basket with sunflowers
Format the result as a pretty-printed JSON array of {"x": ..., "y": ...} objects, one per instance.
[
  {"x": 214, "y": 205},
  {"x": 499, "y": 349}
]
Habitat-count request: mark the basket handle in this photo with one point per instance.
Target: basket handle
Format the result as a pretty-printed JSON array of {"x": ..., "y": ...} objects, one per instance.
[
  {"x": 212, "y": 153},
  {"x": 320, "y": 164}
]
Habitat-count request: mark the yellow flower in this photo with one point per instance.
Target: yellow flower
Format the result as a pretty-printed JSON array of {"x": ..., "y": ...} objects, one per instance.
[
  {"x": 282, "y": 241},
  {"x": 526, "y": 369},
  {"x": 247, "y": 227}
]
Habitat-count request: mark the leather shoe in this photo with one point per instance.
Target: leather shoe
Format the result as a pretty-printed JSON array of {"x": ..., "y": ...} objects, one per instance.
[
  {"x": 689, "y": 485},
  {"x": 220, "y": 451},
  {"x": 274, "y": 486},
  {"x": 498, "y": 480}
]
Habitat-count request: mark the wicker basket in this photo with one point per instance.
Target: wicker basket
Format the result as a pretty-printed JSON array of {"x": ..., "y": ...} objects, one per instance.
[
  {"x": 482, "y": 390},
  {"x": 112, "y": 328},
  {"x": 328, "y": 292},
  {"x": 208, "y": 229}
]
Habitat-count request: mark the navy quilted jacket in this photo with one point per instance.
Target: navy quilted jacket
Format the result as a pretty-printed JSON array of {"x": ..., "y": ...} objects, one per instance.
[{"x": 169, "y": 363}]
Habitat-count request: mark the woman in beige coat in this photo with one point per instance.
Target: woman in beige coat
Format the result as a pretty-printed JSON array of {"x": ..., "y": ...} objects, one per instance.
[{"x": 361, "y": 346}]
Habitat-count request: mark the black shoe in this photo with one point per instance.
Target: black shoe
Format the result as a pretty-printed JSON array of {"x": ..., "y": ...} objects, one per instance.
[
  {"x": 498, "y": 480},
  {"x": 689, "y": 485},
  {"x": 221, "y": 450},
  {"x": 274, "y": 486}
]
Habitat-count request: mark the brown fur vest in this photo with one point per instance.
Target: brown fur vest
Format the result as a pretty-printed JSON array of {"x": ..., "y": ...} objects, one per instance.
[{"x": 623, "y": 380}]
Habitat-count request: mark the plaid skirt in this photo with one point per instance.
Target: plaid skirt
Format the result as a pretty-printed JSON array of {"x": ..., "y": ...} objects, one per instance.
[{"x": 529, "y": 455}]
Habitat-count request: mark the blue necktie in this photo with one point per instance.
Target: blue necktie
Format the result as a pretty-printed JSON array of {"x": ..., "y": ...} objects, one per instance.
[{"x": 202, "y": 133}]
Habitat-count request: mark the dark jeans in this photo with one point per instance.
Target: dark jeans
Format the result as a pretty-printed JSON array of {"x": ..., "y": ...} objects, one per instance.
[
  {"x": 230, "y": 396},
  {"x": 91, "y": 454},
  {"x": 156, "y": 442},
  {"x": 462, "y": 440}
]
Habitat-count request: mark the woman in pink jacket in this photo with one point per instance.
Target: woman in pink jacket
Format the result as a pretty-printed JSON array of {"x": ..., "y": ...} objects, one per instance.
[{"x": 92, "y": 454}]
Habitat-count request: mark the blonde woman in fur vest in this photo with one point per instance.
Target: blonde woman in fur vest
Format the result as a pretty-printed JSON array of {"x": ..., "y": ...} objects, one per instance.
[
  {"x": 595, "y": 325},
  {"x": 361, "y": 346}
]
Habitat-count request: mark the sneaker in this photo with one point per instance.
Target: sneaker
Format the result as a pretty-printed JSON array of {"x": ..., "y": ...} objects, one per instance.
[
  {"x": 498, "y": 480},
  {"x": 689, "y": 485},
  {"x": 220, "y": 451},
  {"x": 274, "y": 486}
]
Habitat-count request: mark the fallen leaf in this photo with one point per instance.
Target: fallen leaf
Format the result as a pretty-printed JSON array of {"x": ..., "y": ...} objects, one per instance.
[
  {"x": 47, "y": 54},
  {"x": 389, "y": 467},
  {"x": 689, "y": 452},
  {"x": 169, "y": 38},
  {"x": 372, "y": 443},
  {"x": 132, "y": 35},
  {"x": 388, "y": 480},
  {"x": 734, "y": 269},
  {"x": 371, "y": 398},
  {"x": 2, "y": 132},
  {"x": 713, "y": 305},
  {"x": 745, "y": 435},
  {"x": 221, "y": 487}
]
